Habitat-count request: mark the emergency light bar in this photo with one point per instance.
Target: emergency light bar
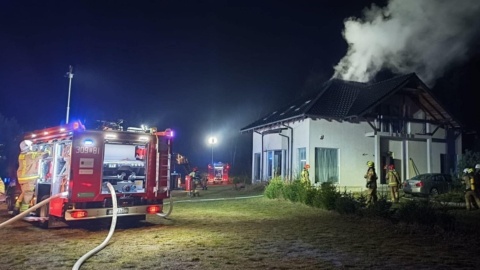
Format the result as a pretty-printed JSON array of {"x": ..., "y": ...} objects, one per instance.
[{"x": 49, "y": 133}]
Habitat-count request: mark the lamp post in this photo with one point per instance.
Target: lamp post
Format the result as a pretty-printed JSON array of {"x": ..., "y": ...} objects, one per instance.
[
  {"x": 70, "y": 77},
  {"x": 212, "y": 141}
]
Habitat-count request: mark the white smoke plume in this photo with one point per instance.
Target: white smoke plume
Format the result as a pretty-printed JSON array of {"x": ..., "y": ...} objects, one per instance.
[{"x": 422, "y": 36}]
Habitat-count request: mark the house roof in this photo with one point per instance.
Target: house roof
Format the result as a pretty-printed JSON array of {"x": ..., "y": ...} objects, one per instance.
[{"x": 343, "y": 100}]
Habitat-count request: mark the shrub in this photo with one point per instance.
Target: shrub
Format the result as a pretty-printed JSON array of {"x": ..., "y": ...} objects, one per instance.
[
  {"x": 296, "y": 191},
  {"x": 310, "y": 196},
  {"x": 419, "y": 212},
  {"x": 327, "y": 196},
  {"x": 379, "y": 209},
  {"x": 454, "y": 196},
  {"x": 346, "y": 204},
  {"x": 241, "y": 179},
  {"x": 468, "y": 160},
  {"x": 274, "y": 190}
]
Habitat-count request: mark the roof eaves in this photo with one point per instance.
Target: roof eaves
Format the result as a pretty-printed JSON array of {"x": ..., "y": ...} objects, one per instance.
[{"x": 293, "y": 118}]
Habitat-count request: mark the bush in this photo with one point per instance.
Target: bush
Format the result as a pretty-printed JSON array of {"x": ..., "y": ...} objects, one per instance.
[
  {"x": 310, "y": 196},
  {"x": 242, "y": 179},
  {"x": 468, "y": 160},
  {"x": 419, "y": 212},
  {"x": 454, "y": 196},
  {"x": 327, "y": 196},
  {"x": 346, "y": 204},
  {"x": 379, "y": 209},
  {"x": 274, "y": 190},
  {"x": 290, "y": 191}
]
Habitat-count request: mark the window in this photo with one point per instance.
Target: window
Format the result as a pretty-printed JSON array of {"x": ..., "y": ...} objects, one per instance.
[
  {"x": 326, "y": 165},
  {"x": 256, "y": 166},
  {"x": 302, "y": 158},
  {"x": 274, "y": 164}
]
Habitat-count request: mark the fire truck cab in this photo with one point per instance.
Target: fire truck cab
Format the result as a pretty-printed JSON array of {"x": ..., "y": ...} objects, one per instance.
[{"x": 80, "y": 163}]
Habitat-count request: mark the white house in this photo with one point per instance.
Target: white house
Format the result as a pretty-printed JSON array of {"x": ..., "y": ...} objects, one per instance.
[{"x": 340, "y": 127}]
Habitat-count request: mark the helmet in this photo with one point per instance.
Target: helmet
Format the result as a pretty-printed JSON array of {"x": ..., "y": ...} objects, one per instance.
[
  {"x": 477, "y": 166},
  {"x": 370, "y": 164},
  {"x": 25, "y": 145},
  {"x": 391, "y": 167},
  {"x": 306, "y": 166},
  {"x": 465, "y": 170}
]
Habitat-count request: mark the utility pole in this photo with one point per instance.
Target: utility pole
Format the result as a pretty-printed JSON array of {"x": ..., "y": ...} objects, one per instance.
[{"x": 70, "y": 77}]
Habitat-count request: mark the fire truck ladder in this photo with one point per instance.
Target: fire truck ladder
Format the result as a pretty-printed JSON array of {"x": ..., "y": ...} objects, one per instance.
[{"x": 414, "y": 167}]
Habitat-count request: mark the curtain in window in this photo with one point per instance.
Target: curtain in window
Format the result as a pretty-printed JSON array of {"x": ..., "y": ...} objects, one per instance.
[{"x": 326, "y": 165}]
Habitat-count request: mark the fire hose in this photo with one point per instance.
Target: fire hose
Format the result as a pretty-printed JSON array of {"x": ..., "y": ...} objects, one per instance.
[
  {"x": 63, "y": 194},
  {"x": 35, "y": 207},
  {"x": 110, "y": 233}
]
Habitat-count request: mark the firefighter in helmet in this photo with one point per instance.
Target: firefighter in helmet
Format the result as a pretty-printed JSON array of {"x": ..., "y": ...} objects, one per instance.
[
  {"x": 393, "y": 180},
  {"x": 195, "y": 181},
  {"x": 27, "y": 174},
  {"x": 371, "y": 178},
  {"x": 471, "y": 196},
  {"x": 305, "y": 174}
]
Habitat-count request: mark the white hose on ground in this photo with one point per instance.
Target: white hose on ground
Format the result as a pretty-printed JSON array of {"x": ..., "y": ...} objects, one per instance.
[
  {"x": 164, "y": 215},
  {"x": 33, "y": 208},
  {"x": 110, "y": 233}
]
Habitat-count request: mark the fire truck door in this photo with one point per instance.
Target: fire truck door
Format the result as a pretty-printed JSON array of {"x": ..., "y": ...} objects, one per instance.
[{"x": 87, "y": 155}]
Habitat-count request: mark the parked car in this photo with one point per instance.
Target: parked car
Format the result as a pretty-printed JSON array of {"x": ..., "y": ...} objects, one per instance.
[{"x": 428, "y": 184}]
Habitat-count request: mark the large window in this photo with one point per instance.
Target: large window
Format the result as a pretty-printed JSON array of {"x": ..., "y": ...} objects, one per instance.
[
  {"x": 302, "y": 159},
  {"x": 326, "y": 165},
  {"x": 256, "y": 166},
  {"x": 274, "y": 164}
]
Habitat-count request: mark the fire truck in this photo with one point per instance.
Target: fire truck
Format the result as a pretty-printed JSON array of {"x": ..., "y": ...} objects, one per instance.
[
  {"x": 218, "y": 173},
  {"x": 80, "y": 162}
]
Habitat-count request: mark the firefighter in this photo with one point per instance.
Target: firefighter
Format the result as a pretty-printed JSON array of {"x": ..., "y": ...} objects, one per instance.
[
  {"x": 195, "y": 180},
  {"x": 371, "y": 178},
  {"x": 204, "y": 182},
  {"x": 27, "y": 174},
  {"x": 305, "y": 174},
  {"x": 393, "y": 180},
  {"x": 2, "y": 187},
  {"x": 470, "y": 189}
]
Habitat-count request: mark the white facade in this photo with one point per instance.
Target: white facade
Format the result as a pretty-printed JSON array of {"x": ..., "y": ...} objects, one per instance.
[
  {"x": 395, "y": 122},
  {"x": 354, "y": 143}
]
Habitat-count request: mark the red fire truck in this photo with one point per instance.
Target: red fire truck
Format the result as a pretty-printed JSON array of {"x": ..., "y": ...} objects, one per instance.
[
  {"x": 218, "y": 173},
  {"x": 80, "y": 163}
]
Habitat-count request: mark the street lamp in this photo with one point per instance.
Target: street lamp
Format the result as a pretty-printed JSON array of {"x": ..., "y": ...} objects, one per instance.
[
  {"x": 212, "y": 141},
  {"x": 70, "y": 77}
]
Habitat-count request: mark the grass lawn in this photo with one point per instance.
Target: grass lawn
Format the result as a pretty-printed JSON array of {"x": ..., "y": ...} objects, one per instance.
[{"x": 254, "y": 233}]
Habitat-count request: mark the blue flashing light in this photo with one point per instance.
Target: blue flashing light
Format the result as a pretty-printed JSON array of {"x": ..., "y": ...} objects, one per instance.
[{"x": 88, "y": 142}]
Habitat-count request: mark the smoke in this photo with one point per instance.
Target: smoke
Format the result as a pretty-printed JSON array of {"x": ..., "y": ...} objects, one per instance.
[{"x": 425, "y": 37}]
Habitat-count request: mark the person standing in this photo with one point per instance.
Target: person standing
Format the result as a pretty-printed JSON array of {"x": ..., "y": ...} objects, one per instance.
[
  {"x": 470, "y": 189},
  {"x": 305, "y": 176},
  {"x": 27, "y": 175},
  {"x": 393, "y": 180},
  {"x": 371, "y": 178},
  {"x": 195, "y": 181}
]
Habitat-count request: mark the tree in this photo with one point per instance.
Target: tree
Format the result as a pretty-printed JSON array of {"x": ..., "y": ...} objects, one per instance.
[
  {"x": 9, "y": 130},
  {"x": 468, "y": 160}
]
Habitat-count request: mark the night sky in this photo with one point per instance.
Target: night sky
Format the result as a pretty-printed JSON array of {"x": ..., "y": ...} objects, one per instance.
[{"x": 201, "y": 68}]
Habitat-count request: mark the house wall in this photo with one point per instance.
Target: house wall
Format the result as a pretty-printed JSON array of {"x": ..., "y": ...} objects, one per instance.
[
  {"x": 355, "y": 148},
  {"x": 301, "y": 139}
]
